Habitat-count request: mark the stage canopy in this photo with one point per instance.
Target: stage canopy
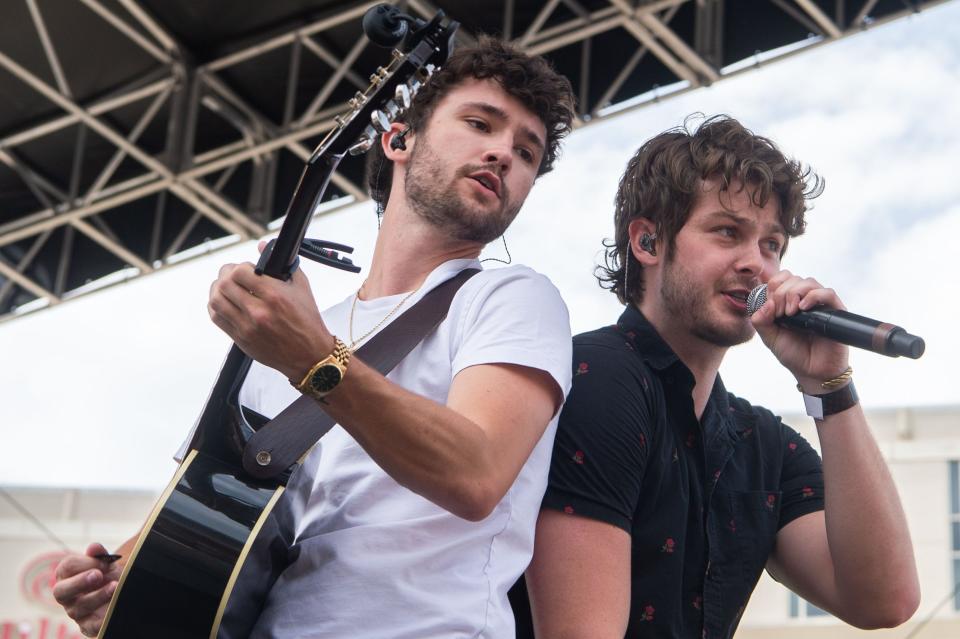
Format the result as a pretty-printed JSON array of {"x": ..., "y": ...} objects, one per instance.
[{"x": 135, "y": 134}]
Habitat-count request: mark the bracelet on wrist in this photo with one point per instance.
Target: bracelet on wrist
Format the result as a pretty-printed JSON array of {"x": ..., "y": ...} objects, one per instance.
[{"x": 833, "y": 382}]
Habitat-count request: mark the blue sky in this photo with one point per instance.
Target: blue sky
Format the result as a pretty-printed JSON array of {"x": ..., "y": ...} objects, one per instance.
[{"x": 100, "y": 391}]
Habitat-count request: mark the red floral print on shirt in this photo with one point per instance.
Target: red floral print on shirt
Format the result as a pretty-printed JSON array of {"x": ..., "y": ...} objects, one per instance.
[
  {"x": 583, "y": 368},
  {"x": 647, "y": 614},
  {"x": 578, "y": 457},
  {"x": 792, "y": 446},
  {"x": 568, "y": 510},
  {"x": 698, "y": 602},
  {"x": 668, "y": 546},
  {"x": 807, "y": 492},
  {"x": 771, "y": 501}
]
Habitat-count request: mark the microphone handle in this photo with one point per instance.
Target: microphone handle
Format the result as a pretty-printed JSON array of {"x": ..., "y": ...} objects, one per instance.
[{"x": 855, "y": 330}]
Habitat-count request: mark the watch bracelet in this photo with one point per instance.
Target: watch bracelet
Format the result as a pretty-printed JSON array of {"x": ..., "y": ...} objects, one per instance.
[{"x": 341, "y": 352}]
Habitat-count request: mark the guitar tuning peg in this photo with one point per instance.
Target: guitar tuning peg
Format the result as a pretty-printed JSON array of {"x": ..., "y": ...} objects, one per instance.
[
  {"x": 392, "y": 110},
  {"x": 365, "y": 141},
  {"x": 362, "y": 146},
  {"x": 357, "y": 101},
  {"x": 402, "y": 96},
  {"x": 380, "y": 121},
  {"x": 370, "y": 133}
]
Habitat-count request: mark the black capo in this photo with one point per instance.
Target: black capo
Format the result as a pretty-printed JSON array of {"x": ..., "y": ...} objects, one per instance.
[{"x": 320, "y": 251}]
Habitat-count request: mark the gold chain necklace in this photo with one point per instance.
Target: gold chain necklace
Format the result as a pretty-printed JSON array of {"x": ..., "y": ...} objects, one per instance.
[{"x": 353, "y": 306}]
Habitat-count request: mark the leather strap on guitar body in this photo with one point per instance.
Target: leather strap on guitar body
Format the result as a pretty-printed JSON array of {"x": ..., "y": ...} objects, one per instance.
[{"x": 285, "y": 438}]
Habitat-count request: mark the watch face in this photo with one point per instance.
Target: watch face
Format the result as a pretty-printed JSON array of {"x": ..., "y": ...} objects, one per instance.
[{"x": 326, "y": 378}]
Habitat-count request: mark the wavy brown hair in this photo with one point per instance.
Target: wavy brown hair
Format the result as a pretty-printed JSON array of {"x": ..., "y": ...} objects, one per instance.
[
  {"x": 529, "y": 79},
  {"x": 664, "y": 178}
]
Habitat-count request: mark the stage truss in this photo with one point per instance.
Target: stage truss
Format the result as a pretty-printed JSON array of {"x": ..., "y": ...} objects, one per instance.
[{"x": 197, "y": 149}]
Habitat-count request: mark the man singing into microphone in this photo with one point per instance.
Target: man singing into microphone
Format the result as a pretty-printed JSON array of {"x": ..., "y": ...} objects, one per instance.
[{"x": 668, "y": 496}]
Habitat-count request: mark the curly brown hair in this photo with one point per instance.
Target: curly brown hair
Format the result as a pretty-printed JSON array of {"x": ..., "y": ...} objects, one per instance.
[
  {"x": 529, "y": 79},
  {"x": 664, "y": 179}
]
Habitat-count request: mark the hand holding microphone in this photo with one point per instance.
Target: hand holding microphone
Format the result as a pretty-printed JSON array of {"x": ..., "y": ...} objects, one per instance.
[{"x": 846, "y": 328}]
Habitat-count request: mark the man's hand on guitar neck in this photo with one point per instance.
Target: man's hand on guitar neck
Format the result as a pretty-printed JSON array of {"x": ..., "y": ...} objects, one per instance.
[
  {"x": 276, "y": 323},
  {"x": 85, "y": 585}
]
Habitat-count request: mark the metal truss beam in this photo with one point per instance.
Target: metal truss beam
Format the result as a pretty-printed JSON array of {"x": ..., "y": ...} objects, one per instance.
[
  {"x": 192, "y": 195},
  {"x": 26, "y": 283},
  {"x": 130, "y": 32},
  {"x": 276, "y": 42},
  {"x": 181, "y": 93},
  {"x": 48, "y": 47},
  {"x": 98, "y": 108},
  {"x": 25, "y": 261},
  {"x": 861, "y": 18},
  {"x": 156, "y": 30},
  {"x": 823, "y": 20}
]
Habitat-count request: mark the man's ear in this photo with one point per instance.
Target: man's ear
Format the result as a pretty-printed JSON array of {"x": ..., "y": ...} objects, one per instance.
[
  {"x": 644, "y": 243},
  {"x": 397, "y": 142}
]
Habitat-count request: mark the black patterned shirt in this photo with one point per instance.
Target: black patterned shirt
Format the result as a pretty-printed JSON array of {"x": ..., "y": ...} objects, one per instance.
[{"x": 702, "y": 499}]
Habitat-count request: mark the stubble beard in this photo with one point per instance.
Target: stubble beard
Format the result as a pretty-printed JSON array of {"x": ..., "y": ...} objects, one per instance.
[
  {"x": 440, "y": 205},
  {"x": 687, "y": 303}
]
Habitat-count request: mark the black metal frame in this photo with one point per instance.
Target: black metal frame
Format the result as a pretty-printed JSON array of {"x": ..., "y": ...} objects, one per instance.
[{"x": 186, "y": 158}]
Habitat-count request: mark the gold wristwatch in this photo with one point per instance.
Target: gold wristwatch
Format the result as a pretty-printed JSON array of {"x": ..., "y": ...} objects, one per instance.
[{"x": 327, "y": 373}]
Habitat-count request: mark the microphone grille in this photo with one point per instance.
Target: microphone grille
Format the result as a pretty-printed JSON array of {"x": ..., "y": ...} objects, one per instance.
[{"x": 756, "y": 299}]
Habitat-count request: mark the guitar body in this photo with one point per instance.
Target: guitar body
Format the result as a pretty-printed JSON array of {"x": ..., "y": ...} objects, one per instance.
[
  {"x": 188, "y": 562},
  {"x": 220, "y": 535},
  {"x": 215, "y": 535}
]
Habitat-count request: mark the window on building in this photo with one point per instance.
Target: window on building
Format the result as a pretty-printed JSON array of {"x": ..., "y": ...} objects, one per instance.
[
  {"x": 801, "y": 608},
  {"x": 955, "y": 528}
]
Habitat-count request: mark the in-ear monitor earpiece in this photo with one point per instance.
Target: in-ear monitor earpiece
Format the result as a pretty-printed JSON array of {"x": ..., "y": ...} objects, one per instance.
[
  {"x": 646, "y": 243},
  {"x": 397, "y": 142}
]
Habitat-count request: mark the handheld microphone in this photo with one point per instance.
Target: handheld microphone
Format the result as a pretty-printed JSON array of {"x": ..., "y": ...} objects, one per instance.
[{"x": 846, "y": 328}]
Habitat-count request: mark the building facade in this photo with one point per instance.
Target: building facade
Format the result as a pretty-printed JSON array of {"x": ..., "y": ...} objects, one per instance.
[
  {"x": 921, "y": 445},
  {"x": 922, "y": 449}
]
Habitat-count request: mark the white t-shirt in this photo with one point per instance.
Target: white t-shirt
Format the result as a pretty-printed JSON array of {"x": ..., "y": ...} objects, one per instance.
[{"x": 378, "y": 560}]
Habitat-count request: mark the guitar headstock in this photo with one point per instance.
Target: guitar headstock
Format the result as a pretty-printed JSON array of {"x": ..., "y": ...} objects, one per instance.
[
  {"x": 391, "y": 90},
  {"x": 372, "y": 111}
]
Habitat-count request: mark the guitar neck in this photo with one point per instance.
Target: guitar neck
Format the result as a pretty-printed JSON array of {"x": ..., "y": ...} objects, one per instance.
[{"x": 310, "y": 189}]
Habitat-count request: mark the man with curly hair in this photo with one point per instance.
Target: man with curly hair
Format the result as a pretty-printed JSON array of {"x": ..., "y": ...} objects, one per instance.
[
  {"x": 668, "y": 496},
  {"x": 415, "y": 514}
]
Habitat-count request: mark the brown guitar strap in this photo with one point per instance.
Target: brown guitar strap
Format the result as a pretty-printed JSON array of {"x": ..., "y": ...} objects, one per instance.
[{"x": 285, "y": 438}]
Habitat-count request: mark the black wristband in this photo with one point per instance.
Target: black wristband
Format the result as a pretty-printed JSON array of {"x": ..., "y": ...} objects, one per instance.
[{"x": 820, "y": 406}]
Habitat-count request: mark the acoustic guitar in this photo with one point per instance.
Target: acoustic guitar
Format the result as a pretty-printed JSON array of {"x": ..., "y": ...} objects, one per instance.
[{"x": 218, "y": 537}]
